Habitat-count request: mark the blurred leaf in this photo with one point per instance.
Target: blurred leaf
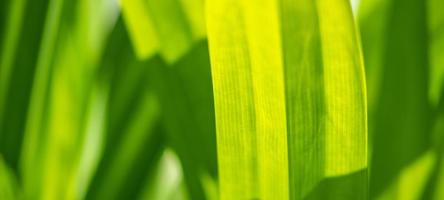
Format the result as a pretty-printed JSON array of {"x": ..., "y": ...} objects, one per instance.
[
  {"x": 133, "y": 140},
  {"x": 34, "y": 139},
  {"x": 194, "y": 77},
  {"x": 8, "y": 183},
  {"x": 3, "y": 17},
  {"x": 339, "y": 187},
  {"x": 436, "y": 34},
  {"x": 401, "y": 121},
  {"x": 12, "y": 25},
  {"x": 436, "y": 41},
  {"x": 167, "y": 182},
  {"x": 91, "y": 148},
  {"x": 19, "y": 52},
  {"x": 61, "y": 101},
  {"x": 438, "y": 193},
  {"x": 372, "y": 17},
  {"x": 433, "y": 188},
  {"x": 166, "y": 26},
  {"x": 436, "y": 93},
  {"x": 411, "y": 180},
  {"x": 140, "y": 27},
  {"x": 300, "y": 86},
  {"x": 122, "y": 176},
  {"x": 185, "y": 93}
]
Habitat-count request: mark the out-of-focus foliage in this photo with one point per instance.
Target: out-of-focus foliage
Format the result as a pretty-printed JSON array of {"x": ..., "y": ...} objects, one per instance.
[
  {"x": 404, "y": 63},
  {"x": 114, "y": 99},
  {"x": 85, "y": 115}
]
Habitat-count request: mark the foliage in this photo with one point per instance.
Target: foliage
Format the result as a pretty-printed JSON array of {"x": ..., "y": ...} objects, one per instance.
[{"x": 221, "y": 99}]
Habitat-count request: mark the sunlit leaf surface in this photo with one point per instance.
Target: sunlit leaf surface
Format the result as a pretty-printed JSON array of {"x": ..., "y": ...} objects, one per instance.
[{"x": 290, "y": 99}]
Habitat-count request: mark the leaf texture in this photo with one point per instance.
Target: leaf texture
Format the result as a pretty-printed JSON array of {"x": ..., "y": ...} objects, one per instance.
[{"x": 289, "y": 96}]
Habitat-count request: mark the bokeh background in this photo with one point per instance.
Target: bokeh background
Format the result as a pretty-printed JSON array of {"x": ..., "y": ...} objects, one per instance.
[{"x": 108, "y": 99}]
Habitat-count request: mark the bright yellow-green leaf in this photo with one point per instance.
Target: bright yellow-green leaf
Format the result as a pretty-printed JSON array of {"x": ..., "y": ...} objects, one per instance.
[
  {"x": 249, "y": 97},
  {"x": 140, "y": 27},
  {"x": 289, "y": 95},
  {"x": 166, "y": 26},
  {"x": 346, "y": 133}
]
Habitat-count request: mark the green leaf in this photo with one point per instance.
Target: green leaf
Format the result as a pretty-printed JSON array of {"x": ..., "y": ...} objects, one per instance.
[
  {"x": 141, "y": 27},
  {"x": 184, "y": 90},
  {"x": 9, "y": 45},
  {"x": 400, "y": 123},
  {"x": 18, "y": 59},
  {"x": 436, "y": 41},
  {"x": 169, "y": 27},
  {"x": 62, "y": 100},
  {"x": 121, "y": 177},
  {"x": 133, "y": 140},
  {"x": 433, "y": 188},
  {"x": 32, "y": 152},
  {"x": 167, "y": 182},
  {"x": 289, "y": 96},
  {"x": 373, "y": 16},
  {"x": 339, "y": 187},
  {"x": 8, "y": 182}
]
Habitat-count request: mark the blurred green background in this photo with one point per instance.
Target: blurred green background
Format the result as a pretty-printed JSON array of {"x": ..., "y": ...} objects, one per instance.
[{"x": 108, "y": 99}]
